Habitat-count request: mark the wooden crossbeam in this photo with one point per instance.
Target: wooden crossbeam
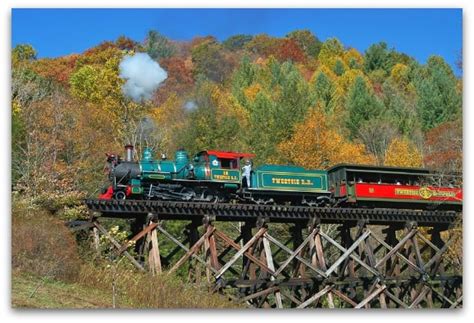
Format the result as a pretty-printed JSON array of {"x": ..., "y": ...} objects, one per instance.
[
  {"x": 288, "y": 250},
  {"x": 399, "y": 255},
  {"x": 117, "y": 245},
  {"x": 400, "y": 244},
  {"x": 264, "y": 292},
  {"x": 347, "y": 253},
  {"x": 271, "y": 266},
  {"x": 450, "y": 302},
  {"x": 370, "y": 297},
  {"x": 395, "y": 298},
  {"x": 457, "y": 302},
  {"x": 288, "y": 295},
  {"x": 138, "y": 236},
  {"x": 428, "y": 242},
  {"x": 240, "y": 252},
  {"x": 439, "y": 253},
  {"x": 344, "y": 297},
  {"x": 191, "y": 251},
  {"x": 315, "y": 297},
  {"x": 355, "y": 257},
  {"x": 237, "y": 247},
  {"x": 419, "y": 297},
  {"x": 296, "y": 252},
  {"x": 182, "y": 246},
  {"x": 419, "y": 259}
]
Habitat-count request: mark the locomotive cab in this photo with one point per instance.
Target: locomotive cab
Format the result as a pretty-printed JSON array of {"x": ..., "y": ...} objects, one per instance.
[{"x": 220, "y": 166}]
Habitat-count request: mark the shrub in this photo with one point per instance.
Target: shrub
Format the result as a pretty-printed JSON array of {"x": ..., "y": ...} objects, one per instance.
[{"x": 41, "y": 244}]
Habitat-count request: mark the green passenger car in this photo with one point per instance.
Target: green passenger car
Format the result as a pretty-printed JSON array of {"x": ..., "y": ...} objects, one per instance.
[{"x": 290, "y": 184}]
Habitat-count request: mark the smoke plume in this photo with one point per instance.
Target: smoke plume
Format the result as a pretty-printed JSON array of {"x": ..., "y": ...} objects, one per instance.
[
  {"x": 190, "y": 106},
  {"x": 143, "y": 76}
]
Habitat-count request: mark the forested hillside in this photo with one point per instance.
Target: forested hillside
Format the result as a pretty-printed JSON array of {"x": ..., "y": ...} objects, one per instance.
[{"x": 290, "y": 100}]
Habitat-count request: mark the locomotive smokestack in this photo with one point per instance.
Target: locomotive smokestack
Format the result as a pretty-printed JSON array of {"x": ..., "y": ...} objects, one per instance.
[{"x": 129, "y": 150}]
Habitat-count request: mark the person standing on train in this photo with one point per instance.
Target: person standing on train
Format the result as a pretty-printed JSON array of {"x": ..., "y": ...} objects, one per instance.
[{"x": 246, "y": 171}]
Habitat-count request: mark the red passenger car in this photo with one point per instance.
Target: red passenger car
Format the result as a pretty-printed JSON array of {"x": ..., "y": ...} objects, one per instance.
[{"x": 398, "y": 187}]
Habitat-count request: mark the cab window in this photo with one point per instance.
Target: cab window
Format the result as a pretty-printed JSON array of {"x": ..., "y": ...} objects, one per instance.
[{"x": 229, "y": 163}]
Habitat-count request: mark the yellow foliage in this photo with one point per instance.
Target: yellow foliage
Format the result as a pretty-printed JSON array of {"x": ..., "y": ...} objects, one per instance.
[
  {"x": 252, "y": 91},
  {"x": 402, "y": 153},
  {"x": 347, "y": 79},
  {"x": 399, "y": 75},
  {"x": 316, "y": 145},
  {"x": 169, "y": 119},
  {"x": 353, "y": 54},
  {"x": 326, "y": 70},
  {"x": 16, "y": 107},
  {"x": 228, "y": 106}
]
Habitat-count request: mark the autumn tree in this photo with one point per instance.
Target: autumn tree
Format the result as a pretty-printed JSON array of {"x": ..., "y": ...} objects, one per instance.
[
  {"x": 377, "y": 135},
  {"x": 331, "y": 50},
  {"x": 23, "y": 52},
  {"x": 236, "y": 42},
  {"x": 353, "y": 59},
  {"x": 316, "y": 145},
  {"x": 126, "y": 43},
  {"x": 403, "y": 153},
  {"x": 443, "y": 148},
  {"x": 289, "y": 50},
  {"x": 307, "y": 41},
  {"x": 57, "y": 69},
  {"x": 261, "y": 44},
  {"x": 215, "y": 121},
  {"x": 210, "y": 61},
  {"x": 180, "y": 79}
]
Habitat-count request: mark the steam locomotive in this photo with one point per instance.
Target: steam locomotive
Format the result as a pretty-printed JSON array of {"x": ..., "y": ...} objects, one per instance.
[{"x": 216, "y": 176}]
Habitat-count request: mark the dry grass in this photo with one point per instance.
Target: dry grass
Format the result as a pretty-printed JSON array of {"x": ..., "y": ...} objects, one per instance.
[
  {"x": 30, "y": 291},
  {"x": 147, "y": 291},
  {"x": 42, "y": 245}
]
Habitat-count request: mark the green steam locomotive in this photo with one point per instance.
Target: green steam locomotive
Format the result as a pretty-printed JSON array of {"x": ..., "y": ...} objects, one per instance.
[{"x": 222, "y": 177}]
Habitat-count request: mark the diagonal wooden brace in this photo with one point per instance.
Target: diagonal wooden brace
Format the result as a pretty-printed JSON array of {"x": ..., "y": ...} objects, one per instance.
[
  {"x": 347, "y": 253},
  {"x": 240, "y": 252},
  {"x": 191, "y": 251}
]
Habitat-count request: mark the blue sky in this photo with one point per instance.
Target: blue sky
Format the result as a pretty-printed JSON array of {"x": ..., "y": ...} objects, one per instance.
[{"x": 416, "y": 32}]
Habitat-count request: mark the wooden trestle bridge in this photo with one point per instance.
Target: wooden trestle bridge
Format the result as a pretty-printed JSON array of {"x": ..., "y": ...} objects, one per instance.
[{"x": 298, "y": 257}]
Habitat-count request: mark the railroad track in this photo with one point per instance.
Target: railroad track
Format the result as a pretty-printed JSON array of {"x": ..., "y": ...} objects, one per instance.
[{"x": 168, "y": 210}]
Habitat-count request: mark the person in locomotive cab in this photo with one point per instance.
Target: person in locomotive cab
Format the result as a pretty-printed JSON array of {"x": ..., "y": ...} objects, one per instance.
[{"x": 246, "y": 171}]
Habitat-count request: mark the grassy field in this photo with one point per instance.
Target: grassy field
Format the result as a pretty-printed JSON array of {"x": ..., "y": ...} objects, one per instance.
[{"x": 56, "y": 294}]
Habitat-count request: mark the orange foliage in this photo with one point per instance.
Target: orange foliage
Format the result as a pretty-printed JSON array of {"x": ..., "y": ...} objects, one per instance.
[
  {"x": 58, "y": 69},
  {"x": 444, "y": 147},
  {"x": 180, "y": 79},
  {"x": 288, "y": 50},
  {"x": 315, "y": 144}
]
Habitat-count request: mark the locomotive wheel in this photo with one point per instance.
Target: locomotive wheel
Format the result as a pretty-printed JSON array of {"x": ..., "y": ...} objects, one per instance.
[{"x": 120, "y": 195}]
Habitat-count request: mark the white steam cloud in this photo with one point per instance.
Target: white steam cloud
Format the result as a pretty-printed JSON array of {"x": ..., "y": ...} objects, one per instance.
[
  {"x": 190, "y": 106},
  {"x": 143, "y": 76}
]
